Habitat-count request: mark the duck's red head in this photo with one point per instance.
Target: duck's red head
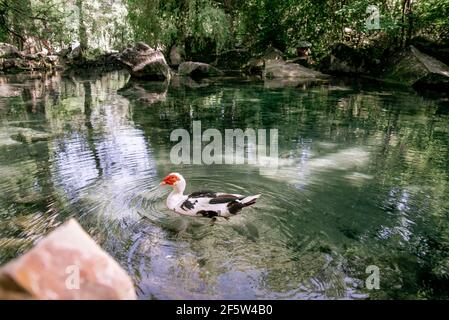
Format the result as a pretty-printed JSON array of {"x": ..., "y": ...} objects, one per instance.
[{"x": 171, "y": 179}]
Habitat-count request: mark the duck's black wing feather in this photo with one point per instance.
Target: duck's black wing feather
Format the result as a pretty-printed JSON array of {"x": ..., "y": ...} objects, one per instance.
[
  {"x": 203, "y": 194},
  {"x": 225, "y": 198}
]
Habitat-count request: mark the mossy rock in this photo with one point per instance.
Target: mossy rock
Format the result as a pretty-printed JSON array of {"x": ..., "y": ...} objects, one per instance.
[{"x": 421, "y": 71}]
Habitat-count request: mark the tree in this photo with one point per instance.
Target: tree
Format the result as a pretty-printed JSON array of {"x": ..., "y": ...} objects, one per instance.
[
  {"x": 81, "y": 27},
  {"x": 26, "y": 23},
  {"x": 198, "y": 22}
]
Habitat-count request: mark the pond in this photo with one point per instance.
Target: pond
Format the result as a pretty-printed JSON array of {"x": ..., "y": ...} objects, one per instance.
[{"x": 362, "y": 181}]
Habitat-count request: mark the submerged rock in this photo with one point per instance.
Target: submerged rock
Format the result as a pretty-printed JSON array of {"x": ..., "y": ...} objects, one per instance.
[
  {"x": 198, "y": 70},
  {"x": 29, "y": 135},
  {"x": 67, "y": 264},
  {"x": 419, "y": 70},
  {"x": 145, "y": 62},
  {"x": 11, "y": 135}
]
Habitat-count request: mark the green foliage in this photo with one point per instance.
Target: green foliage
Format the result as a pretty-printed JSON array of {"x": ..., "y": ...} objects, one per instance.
[
  {"x": 212, "y": 23},
  {"x": 22, "y": 20},
  {"x": 282, "y": 23},
  {"x": 214, "y": 26},
  {"x": 432, "y": 19},
  {"x": 164, "y": 23},
  {"x": 100, "y": 23},
  {"x": 145, "y": 21},
  {"x": 265, "y": 23}
]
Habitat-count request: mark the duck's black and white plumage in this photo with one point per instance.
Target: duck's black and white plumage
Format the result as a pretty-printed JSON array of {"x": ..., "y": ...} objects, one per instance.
[{"x": 203, "y": 203}]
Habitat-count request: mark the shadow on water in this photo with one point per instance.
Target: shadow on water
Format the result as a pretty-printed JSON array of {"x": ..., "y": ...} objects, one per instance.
[{"x": 362, "y": 180}]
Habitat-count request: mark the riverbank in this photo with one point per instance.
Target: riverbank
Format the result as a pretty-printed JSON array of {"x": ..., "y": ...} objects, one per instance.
[{"x": 412, "y": 66}]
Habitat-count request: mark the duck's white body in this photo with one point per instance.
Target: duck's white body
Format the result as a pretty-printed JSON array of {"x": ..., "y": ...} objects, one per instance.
[{"x": 204, "y": 203}]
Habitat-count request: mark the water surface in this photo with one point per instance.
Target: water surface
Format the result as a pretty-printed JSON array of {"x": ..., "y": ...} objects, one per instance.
[{"x": 362, "y": 180}]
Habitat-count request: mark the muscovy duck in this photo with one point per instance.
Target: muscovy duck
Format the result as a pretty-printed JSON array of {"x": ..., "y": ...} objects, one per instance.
[{"x": 203, "y": 203}]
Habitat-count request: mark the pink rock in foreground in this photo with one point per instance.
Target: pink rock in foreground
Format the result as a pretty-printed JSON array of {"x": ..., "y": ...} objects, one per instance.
[{"x": 67, "y": 264}]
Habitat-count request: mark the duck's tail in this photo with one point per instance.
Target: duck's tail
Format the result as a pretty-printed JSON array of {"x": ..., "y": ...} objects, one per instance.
[{"x": 235, "y": 207}]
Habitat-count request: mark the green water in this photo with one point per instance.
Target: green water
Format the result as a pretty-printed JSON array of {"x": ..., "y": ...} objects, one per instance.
[{"x": 363, "y": 180}]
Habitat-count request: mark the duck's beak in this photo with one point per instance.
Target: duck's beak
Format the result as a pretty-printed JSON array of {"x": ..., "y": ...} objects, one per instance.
[{"x": 162, "y": 183}]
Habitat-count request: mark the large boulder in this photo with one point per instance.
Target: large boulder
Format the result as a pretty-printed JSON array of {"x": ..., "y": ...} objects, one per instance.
[
  {"x": 65, "y": 265},
  {"x": 279, "y": 69},
  {"x": 437, "y": 50},
  {"x": 198, "y": 70},
  {"x": 145, "y": 62},
  {"x": 419, "y": 70}
]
